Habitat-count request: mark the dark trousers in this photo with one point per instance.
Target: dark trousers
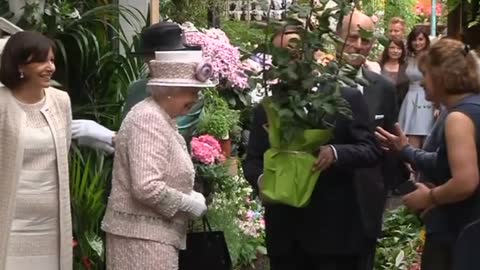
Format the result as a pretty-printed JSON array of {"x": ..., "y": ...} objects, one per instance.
[
  {"x": 437, "y": 253},
  {"x": 299, "y": 259}
]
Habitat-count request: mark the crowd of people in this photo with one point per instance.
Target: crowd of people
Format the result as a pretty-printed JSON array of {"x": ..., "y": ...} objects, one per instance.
[
  {"x": 418, "y": 89},
  {"x": 421, "y": 96}
]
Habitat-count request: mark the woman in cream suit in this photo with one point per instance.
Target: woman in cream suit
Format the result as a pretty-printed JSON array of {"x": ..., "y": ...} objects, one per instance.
[{"x": 35, "y": 124}]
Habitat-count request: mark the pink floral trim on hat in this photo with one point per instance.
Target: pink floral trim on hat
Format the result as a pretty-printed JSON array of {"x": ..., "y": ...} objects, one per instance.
[{"x": 203, "y": 71}]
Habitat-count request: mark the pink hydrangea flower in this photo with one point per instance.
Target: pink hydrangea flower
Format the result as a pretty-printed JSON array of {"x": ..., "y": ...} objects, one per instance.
[
  {"x": 224, "y": 57},
  {"x": 206, "y": 149}
]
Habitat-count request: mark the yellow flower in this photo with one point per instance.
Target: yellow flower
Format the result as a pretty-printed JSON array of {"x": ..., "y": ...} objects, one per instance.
[{"x": 422, "y": 235}]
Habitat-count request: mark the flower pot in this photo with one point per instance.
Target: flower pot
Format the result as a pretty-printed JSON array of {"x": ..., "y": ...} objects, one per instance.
[
  {"x": 226, "y": 146},
  {"x": 232, "y": 165}
]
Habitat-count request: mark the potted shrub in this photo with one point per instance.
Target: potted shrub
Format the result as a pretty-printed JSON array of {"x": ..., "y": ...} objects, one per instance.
[{"x": 218, "y": 120}]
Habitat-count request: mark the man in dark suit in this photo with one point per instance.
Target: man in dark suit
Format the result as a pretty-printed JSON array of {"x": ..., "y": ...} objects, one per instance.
[{"x": 339, "y": 228}]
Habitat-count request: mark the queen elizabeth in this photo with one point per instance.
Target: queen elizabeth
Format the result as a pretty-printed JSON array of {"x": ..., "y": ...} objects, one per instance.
[{"x": 152, "y": 195}]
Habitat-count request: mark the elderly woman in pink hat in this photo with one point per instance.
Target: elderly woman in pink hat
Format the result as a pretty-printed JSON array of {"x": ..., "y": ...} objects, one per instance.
[{"x": 152, "y": 195}]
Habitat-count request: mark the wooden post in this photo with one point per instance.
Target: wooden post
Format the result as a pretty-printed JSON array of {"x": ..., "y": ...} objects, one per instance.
[
  {"x": 455, "y": 22},
  {"x": 154, "y": 11}
]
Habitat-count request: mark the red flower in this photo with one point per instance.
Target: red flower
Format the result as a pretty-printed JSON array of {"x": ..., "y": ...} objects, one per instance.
[
  {"x": 74, "y": 243},
  {"x": 87, "y": 262}
]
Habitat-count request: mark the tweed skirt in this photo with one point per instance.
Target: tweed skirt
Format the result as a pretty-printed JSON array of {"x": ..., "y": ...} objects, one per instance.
[{"x": 123, "y": 253}]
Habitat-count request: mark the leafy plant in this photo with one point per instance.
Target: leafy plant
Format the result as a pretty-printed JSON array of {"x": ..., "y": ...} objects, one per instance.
[
  {"x": 89, "y": 178},
  {"x": 189, "y": 10},
  {"x": 217, "y": 119},
  {"x": 404, "y": 9},
  {"x": 243, "y": 35},
  {"x": 472, "y": 8},
  {"x": 89, "y": 58},
  {"x": 398, "y": 248},
  {"x": 241, "y": 219},
  {"x": 306, "y": 94}
]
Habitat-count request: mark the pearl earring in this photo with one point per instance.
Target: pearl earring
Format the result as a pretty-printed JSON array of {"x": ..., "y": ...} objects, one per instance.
[
  {"x": 21, "y": 75},
  {"x": 169, "y": 97}
]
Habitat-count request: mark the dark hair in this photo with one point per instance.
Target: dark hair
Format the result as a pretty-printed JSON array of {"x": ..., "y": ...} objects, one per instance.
[
  {"x": 22, "y": 48},
  {"x": 417, "y": 31},
  {"x": 400, "y": 44}
]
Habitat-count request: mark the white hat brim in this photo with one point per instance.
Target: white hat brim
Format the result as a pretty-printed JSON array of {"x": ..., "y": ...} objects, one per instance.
[{"x": 198, "y": 85}]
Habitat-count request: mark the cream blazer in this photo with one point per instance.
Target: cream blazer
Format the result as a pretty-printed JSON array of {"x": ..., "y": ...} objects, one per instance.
[{"x": 57, "y": 111}]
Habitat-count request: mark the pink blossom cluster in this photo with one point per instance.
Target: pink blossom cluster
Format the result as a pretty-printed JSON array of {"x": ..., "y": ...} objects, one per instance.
[
  {"x": 253, "y": 223},
  {"x": 224, "y": 57},
  {"x": 420, "y": 9},
  {"x": 206, "y": 149}
]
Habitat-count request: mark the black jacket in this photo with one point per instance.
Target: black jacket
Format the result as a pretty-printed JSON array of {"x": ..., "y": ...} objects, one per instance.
[{"x": 332, "y": 222}]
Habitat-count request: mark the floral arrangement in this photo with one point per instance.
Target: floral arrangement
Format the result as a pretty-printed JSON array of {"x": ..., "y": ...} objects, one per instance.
[
  {"x": 425, "y": 11},
  {"x": 241, "y": 218},
  {"x": 251, "y": 220},
  {"x": 206, "y": 149},
  {"x": 224, "y": 57}
]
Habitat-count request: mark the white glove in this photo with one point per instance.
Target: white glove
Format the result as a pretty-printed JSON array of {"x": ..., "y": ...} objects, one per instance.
[
  {"x": 88, "y": 129},
  {"x": 95, "y": 144},
  {"x": 197, "y": 195},
  {"x": 193, "y": 204}
]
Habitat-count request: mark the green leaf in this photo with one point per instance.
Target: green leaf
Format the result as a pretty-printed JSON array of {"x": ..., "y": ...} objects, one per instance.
[
  {"x": 96, "y": 243},
  {"x": 366, "y": 34},
  {"x": 399, "y": 258}
]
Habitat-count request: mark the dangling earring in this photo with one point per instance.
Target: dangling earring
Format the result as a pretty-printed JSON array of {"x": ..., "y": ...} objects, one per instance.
[{"x": 21, "y": 75}]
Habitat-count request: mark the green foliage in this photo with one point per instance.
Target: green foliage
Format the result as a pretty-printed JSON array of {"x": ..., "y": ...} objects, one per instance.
[
  {"x": 215, "y": 176},
  {"x": 471, "y": 6},
  {"x": 89, "y": 61},
  {"x": 404, "y": 9},
  {"x": 89, "y": 175},
  {"x": 398, "y": 248},
  {"x": 228, "y": 213},
  {"x": 307, "y": 94},
  {"x": 5, "y": 9},
  {"x": 242, "y": 35},
  {"x": 195, "y": 11},
  {"x": 217, "y": 119}
]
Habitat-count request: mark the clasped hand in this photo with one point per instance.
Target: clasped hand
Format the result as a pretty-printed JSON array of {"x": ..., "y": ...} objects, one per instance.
[{"x": 326, "y": 157}]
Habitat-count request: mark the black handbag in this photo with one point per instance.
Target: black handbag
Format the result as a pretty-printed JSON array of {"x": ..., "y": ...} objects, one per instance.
[{"x": 205, "y": 250}]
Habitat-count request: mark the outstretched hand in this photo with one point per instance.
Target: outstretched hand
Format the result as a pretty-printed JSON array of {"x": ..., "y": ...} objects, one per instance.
[{"x": 392, "y": 142}]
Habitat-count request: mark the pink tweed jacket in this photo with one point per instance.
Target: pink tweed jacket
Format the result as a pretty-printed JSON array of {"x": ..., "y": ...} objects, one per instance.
[{"x": 152, "y": 168}]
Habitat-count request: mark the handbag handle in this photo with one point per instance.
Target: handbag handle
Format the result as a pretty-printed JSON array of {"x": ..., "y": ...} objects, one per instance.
[{"x": 206, "y": 224}]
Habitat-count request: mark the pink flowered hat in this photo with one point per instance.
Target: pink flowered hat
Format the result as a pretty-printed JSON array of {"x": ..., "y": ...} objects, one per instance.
[{"x": 180, "y": 68}]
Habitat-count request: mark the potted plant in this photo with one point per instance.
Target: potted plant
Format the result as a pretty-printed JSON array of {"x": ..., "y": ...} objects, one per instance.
[
  {"x": 209, "y": 164},
  {"x": 303, "y": 98},
  {"x": 218, "y": 119}
]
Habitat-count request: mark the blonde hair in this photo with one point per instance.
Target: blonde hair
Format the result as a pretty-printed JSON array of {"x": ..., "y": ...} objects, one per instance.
[
  {"x": 453, "y": 67},
  {"x": 395, "y": 20}
]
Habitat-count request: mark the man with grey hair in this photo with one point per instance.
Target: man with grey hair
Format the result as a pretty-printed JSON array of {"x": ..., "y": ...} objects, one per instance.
[
  {"x": 339, "y": 227},
  {"x": 371, "y": 184}
]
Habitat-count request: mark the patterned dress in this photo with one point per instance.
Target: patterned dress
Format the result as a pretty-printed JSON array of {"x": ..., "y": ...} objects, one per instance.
[{"x": 416, "y": 113}]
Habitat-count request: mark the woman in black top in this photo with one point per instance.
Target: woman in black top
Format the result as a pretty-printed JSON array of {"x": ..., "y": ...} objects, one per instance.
[
  {"x": 451, "y": 77},
  {"x": 393, "y": 67}
]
